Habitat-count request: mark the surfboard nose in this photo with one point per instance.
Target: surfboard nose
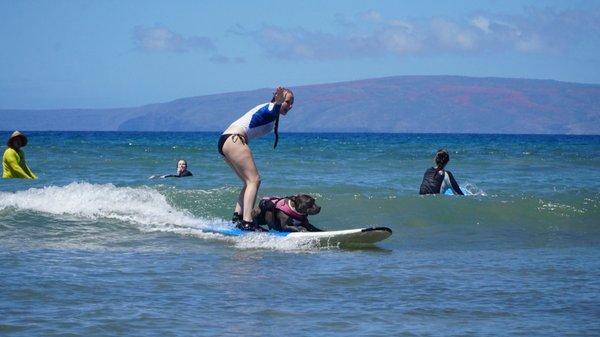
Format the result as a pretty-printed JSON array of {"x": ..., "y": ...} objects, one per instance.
[{"x": 385, "y": 229}]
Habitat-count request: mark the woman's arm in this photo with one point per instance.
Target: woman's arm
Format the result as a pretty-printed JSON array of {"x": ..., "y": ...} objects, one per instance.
[{"x": 454, "y": 184}]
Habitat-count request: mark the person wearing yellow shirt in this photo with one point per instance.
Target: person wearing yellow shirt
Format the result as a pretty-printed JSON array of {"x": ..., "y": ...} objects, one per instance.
[{"x": 13, "y": 161}]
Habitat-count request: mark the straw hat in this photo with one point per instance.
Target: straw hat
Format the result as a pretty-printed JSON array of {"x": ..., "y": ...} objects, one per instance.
[{"x": 14, "y": 136}]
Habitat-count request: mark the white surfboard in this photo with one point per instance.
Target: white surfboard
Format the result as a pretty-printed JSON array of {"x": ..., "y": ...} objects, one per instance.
[{"x": 358, "y": 236}]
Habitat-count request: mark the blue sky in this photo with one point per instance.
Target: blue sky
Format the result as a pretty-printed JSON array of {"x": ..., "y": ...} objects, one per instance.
[{"x": 101, "y": 54}]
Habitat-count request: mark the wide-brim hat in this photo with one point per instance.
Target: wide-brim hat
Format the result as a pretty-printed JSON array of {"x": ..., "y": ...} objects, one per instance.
[{"x": 14, "y": 136}]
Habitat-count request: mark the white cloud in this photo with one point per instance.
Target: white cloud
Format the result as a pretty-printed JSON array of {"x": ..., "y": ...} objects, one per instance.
[
  {"x": 451, "y": 36},
  {"x": 372, "y": 15},
  {"x": 373, "y": 34},
  {"x": 159, "y": 38},
  {"x": 481, "y": 23},
  {"x": 529, "y": 44}
]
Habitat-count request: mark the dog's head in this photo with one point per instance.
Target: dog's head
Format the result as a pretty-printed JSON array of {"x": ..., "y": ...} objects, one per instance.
[{"x": 305, "y": 204}]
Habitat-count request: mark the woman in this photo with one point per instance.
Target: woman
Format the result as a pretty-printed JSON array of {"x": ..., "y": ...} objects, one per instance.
[
  {"x": 13, "y": 161},
  {"x": 437, "y": 180},
  {"x": 233, "y": 146},
  {"x": 182, "y": 170}
]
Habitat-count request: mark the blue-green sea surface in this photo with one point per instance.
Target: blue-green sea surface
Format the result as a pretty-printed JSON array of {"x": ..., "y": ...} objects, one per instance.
[{"x": 95, "y": 248}]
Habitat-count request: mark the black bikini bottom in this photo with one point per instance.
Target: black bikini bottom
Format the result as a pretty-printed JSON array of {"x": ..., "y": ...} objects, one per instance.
[{"x": 236, "y": 136}]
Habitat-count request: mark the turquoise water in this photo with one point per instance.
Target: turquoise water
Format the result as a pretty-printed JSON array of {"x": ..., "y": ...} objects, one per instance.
[{"x": 94, "y": 247}]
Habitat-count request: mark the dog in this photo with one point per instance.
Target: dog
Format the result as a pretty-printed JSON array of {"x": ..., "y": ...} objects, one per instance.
[{"x": 288, "y": 214}]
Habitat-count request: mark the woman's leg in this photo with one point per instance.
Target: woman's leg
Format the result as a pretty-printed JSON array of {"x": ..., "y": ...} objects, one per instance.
[
  {"x": 239, "y": 205},
  {"x": 239, "y": 156}
]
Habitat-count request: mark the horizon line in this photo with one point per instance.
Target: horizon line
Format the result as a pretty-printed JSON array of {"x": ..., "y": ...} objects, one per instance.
[{"x": 326, "y": 132}]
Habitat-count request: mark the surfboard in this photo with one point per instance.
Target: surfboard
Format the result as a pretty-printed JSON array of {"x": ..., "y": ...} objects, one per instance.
[
  {"x": 451, "y": 192},
  {"x": 357, "y": 236}
]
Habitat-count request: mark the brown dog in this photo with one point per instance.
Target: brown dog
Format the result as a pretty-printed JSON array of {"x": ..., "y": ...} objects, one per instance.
[{"x": 288, "y": 214}]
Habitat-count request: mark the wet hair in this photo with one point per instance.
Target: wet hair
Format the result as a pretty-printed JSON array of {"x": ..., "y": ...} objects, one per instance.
[
  {"x": 276, "y": 128},
  {"x": 441, "y": 158},
  {"x": 183, "y": 160},
  {"x": 276, "y": 131}
]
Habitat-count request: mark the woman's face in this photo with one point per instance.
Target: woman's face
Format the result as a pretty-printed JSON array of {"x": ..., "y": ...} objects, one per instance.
[
  {"x": 181, "y": 166},
  {"x": 287, "y": 104},
  {"x": 17, "y": 143}
]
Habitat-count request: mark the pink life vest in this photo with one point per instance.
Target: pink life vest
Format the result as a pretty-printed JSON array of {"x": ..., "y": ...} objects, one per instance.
[{"x": 283, "y": 205}]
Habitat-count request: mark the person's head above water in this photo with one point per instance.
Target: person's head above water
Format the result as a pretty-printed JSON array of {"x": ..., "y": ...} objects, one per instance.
[
  {"x": 17, "y": 140},
  {"x": 441, "y": 158},
  {"x": 181, "y": 166},
  {"x": 285, "y": 97}
]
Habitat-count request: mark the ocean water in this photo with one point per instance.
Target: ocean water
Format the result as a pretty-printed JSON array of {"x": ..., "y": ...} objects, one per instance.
[{"x": 95, "y": 248}]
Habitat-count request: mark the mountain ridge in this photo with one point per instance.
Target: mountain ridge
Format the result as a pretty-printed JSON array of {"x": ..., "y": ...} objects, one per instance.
[{"x": 419, "y": 104}]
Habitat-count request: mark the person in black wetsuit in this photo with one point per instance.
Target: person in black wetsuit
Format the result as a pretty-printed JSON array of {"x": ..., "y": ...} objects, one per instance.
[
  {"x": 436, "y": 179},
  {"x": 182, "y": 171}
]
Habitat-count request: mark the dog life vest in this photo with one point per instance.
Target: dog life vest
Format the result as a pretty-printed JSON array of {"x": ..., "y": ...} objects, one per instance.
[{"x": 282, "y": 205}]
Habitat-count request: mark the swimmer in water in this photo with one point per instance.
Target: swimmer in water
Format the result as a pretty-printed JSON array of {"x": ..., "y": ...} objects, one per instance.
[
  {"x": 182, "y": 171},
  {"x": 437, "y": 179}
]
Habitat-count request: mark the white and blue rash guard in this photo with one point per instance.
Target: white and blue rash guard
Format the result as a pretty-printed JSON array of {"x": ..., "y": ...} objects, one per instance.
[{"x": 258, "y": 121}]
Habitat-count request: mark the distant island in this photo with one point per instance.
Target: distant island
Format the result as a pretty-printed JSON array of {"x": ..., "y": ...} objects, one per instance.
[{"x": 400, "y": 104}]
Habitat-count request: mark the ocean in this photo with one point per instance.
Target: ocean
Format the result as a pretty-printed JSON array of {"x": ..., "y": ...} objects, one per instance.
[{"x": 95, "y": 248}]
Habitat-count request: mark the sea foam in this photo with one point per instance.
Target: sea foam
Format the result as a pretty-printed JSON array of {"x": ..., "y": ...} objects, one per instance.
[{"x": 143, "y": 207}]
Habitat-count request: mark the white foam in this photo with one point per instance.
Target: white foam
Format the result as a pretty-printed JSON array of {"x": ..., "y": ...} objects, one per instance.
[
  {"x": 143, "y": 207},
  {"x": 472, "y": 189},
  {"x": 134, "y": 205},
  {"x": 265, "y": 241}
]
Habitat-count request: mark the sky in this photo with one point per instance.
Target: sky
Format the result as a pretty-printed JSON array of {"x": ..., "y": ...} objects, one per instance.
[{"x": 104, "y": 54}]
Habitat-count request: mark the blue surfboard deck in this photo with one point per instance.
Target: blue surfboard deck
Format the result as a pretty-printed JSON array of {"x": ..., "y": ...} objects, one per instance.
[{"x": 451, "y": 192}]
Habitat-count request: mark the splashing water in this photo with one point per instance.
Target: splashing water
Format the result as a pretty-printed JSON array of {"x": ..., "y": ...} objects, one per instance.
[{"x": 143, "y": 207}]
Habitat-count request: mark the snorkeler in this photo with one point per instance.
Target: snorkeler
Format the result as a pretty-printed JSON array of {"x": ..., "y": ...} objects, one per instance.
[{"x": 437, "y": 180}]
